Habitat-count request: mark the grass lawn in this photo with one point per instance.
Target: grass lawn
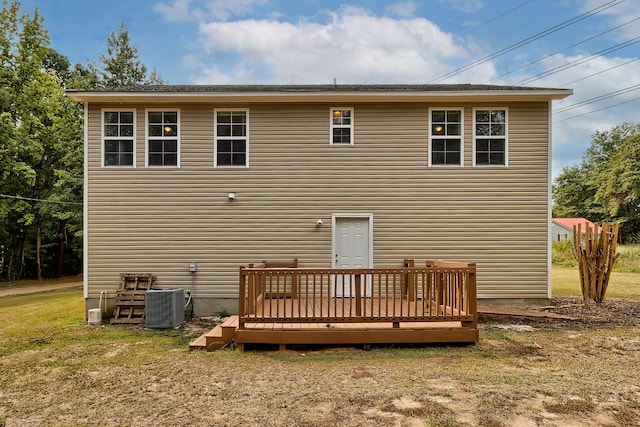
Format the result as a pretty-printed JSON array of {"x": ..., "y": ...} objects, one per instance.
[
  {"x": 621, "y": 285},
  {"x": 57, "y": 370}
]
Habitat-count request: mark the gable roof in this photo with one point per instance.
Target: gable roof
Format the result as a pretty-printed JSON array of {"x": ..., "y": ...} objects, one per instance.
[
  {"x": 317, "y": 93},
  {"x": 569, "y": 223}
]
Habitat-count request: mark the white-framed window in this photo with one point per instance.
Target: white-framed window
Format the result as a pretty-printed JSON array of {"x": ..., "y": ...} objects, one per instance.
[
  {"x": 490, "y": 137},
  {"x": 231, "y": 138},
  {"x": 163, "y": 138},
  {"x": 446, "y": 139},
  {"x": 341, "y": 126},
  {"x": 118, "y": 137}
]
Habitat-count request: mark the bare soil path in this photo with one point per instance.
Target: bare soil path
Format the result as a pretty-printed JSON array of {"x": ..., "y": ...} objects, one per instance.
[{"x": 43, "y": 287}]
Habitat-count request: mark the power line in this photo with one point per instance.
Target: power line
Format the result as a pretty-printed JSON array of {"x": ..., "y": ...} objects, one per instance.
[
  {"x": 598, "y": 98},
  {"x": 31, "y": 199},
  {"x": 599, "y": 109},
  {"x": 600, "y": 72},
  {"x": 566, "y": 48},
  {"x": 530, "y": 39},
  {"x": 577, "y": 62},
  {"x": 497, "y": 17}
]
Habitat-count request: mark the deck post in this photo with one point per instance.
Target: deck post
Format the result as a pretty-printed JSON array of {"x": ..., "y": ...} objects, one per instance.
[
  {"x": 410, "y": 280},
  {"x": 242, "y": 283},
  {"x": 471, "y": 297},
  {"x": 358, "y": 291}
]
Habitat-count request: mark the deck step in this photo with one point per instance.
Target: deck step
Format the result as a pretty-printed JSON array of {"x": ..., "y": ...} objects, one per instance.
[{"x": 218, "y": 337}]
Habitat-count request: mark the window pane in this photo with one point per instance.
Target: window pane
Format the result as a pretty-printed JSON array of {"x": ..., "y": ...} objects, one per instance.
[
  {"x": 239, "y": 130},
  {"x": 155, "y": 117},
  {"x": 126, "y": 117},
  {"x": 126, "y": 159},
  {"x": 437, "y": 129},
  {"x": 224, "y": 130},
  {"x": 437, "y": 145},
  {"x": 224, "y": 146},
  {"x": 170, "y": 159},
  {"x": 482, "y": 158},
  {"x": 437, "y": 158},
  {"x": 482, "y": 116},
  {"x": 170, "y": 130},
  {"x": 155, "y": 146},
  {"x": 498, "y": 116},
  {"x": 453, "y": 129},
  {"x": 224, "y": 159},
  {"x": 438, "y": 116},
  {"x": 482, "y": 130},
  {"x": 126, "y": 146},
  {"x": 239, "y": 146},
  {"x": 482, "y": 145},
  {"x": 110, "y": 159},
  {"x": 111, "y": 117},
  {"x": 170, "y": 146},
  {"x": 239, "y": 159},
  {"x": 452, "y": 145},
  {"x": 497, "y": 158},
  {"x": 155, "y": 130},
  {"x": 111, "y": 130},
  {"x": 453, "y": 158},
  {"x": 171, "y": 117},
  {"x": 453, "y": 116},
  {"x": 111, "y": 146},
  {"x": 497, "y": 129},
  {"x": 224, "y": 117},
  {"x": 155, "y": 159},
  {"x": 497, "y": 145},
  {"x": 238, "y": 117},
  {"x": 126, "y": 130}
]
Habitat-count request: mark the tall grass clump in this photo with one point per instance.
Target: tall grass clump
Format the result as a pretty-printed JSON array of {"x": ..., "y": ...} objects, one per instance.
[
  {"x": 562, "y": 254},
  {"x": 629, "y": 259}
]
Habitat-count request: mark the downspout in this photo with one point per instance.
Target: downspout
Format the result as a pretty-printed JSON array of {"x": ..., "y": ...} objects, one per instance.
[
  {"x": 549, "y": 200},
  {"x": 85, "y": 205}
]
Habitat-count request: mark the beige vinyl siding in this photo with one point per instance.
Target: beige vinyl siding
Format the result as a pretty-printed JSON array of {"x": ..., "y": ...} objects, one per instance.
[{"x": 158, "y": 220}]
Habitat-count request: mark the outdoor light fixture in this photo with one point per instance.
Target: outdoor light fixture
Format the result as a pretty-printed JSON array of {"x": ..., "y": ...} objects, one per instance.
[
  {"x": 232, "y": 196},
  {"x": 319, "y": 222}
]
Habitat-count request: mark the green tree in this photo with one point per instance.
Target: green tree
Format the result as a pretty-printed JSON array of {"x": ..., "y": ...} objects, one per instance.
[
  {"x": 121, "y": 66},
  {"x": 39, "y": 128}
]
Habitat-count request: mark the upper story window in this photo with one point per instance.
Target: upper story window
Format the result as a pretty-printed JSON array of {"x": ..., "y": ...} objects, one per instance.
[
  {"x": 445, "y": 134},
  {"x": 231, "y": 141},
  {"x": 490, "y": 136},
  {"x": 118, "y": 136},
  {"x": 162, "y": 138},
  {"x": 341, "y": 125}
]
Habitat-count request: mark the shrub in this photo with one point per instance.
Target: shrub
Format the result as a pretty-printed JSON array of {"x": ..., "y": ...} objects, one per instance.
[{"x": 562, "y": 254}]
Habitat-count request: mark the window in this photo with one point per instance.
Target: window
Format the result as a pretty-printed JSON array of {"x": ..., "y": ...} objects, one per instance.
[
  {"x": 341, "y": 126},
  {"x": 490, "y": 137},
  {"x": 162, "y": 138},
  {"x": 118, "y": 134},
  {"x": 231, "y": 144},
  {"x": 445, "y": 132}
]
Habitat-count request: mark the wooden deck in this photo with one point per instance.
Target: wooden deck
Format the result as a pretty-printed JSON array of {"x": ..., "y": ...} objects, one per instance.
[{"x": 432, "y": 304}]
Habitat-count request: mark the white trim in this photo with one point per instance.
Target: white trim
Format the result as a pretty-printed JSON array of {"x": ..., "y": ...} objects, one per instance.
[
  {"x": 215, "y": 136},
  {"x": 334, "y": 218},
  {"x": 85, "y": 205},
  {"x": 506, "y": 136},
  {"x": 549, "y": 201},
  {"x": 430, "y": 136},
  {"x": 146, "y": 137},
  {"x": 332, "y": 126},
  {"x": 133, "y": 138}
]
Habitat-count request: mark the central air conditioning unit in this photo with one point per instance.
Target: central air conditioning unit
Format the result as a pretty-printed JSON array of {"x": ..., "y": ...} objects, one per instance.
[{"x": 164, "y": 308}]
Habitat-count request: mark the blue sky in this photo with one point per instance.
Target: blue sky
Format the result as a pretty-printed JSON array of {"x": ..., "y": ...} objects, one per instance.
[{"x": 590, "y": 46}]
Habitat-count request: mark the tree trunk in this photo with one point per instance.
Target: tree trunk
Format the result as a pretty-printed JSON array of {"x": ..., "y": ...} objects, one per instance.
[
  {"x": 38, "y": 248},
  {"x": 62, "y": 243}
]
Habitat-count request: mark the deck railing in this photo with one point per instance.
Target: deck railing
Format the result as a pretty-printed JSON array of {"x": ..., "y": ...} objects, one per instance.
[{"x": 438, "y": 292}]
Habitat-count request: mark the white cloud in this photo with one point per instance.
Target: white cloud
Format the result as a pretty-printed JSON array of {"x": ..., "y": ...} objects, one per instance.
[
  {"x": 403, "y": 9},
  {"x": 182, "y": 10},
  {"x": 353, "y": 45},
  {"x": 466, "y": 6}
]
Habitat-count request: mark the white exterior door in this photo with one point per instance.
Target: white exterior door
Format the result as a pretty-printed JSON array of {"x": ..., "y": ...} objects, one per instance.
[{"x": 352, "y": 249}]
